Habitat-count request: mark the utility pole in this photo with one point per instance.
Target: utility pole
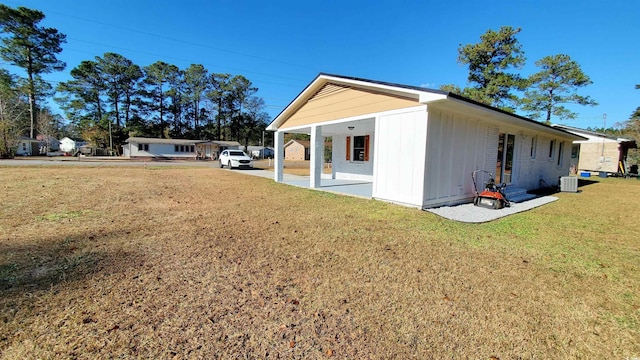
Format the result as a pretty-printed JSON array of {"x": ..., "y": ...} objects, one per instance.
[
  {"x": 604, "y": 127},
  {"x": 110, "y": 139}
]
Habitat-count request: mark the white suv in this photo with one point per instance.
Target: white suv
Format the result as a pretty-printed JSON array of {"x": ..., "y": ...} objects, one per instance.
[{"x": 235, "y": 158}]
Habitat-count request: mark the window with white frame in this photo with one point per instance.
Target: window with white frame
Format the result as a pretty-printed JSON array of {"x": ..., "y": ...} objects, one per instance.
[
  {"x": 183, "y": 148},
  {"x": 534, "y": 145},
  {"x": 552, "y": 145},
  {"x": 143, "y": 147},
  {"x": 560, "y": 153}
]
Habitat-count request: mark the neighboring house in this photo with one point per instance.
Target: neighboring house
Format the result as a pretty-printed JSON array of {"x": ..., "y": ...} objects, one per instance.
[
  {"x": 260, "y": 152},
  {"x": 48, "y": 142},
  {"x": 297, "y": 150},
  {"x": 418, "y": 147},
  {"x": 155, "y": 148},
  {"x": 27, "y": 147},
  {"x": 70, "y": 145},
  {"x": 599, "y": 152}
]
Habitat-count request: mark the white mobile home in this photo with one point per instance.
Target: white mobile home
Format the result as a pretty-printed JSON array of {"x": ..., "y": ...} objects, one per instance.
[
  {"x": 417, "y": 146},
  {"x": 184, "y": 149}
]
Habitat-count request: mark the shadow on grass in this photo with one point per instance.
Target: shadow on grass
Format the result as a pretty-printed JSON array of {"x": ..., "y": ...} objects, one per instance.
[
  {"x": 585, "y": 182},
  {"x": 35, "y": 266}
]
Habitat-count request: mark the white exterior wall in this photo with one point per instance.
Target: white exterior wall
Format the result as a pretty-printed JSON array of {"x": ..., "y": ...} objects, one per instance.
[
  {"x": 399, "y": 153},
  {"x": 349, "y": 169},
  {"x": 160, "y": 150},
  {"x": 544, "y": 167},
  {"x": 24, "y": 148},
  {"x": 456, "y": 146},
  {"x": 67, "y": 145}
]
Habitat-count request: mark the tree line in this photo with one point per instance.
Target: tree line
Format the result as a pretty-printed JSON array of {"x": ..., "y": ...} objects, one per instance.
[
  {"x": 110, "y": 98},
  {"x": 160, "y": 100}
]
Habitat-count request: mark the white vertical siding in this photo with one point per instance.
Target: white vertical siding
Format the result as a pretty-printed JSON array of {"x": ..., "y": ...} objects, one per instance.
[
  {"x": 456, "y": 145},
  {"x": 400, "y": 140}
]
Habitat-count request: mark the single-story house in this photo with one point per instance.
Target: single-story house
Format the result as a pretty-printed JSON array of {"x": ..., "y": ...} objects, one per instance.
[
  {"x": 49, "y": 143},
  {"x": 156, "y": 148},
  {"x": 297, "y": 150},
  {"x": 71, "y": 145},
  {"x": 599, "y": 152},
  {"x": 418, "y": 146},
  {"x": 27, "y": 147},
  {"x": 260, "y": 152}
]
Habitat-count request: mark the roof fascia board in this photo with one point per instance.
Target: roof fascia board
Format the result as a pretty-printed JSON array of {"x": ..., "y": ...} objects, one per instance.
[
  {"x": 579, "y": 131},
  {"x": 514, "y": 119}
]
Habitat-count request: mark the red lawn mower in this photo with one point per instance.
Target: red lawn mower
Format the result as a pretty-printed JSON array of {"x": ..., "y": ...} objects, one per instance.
[{"x": 493, "y": 196}]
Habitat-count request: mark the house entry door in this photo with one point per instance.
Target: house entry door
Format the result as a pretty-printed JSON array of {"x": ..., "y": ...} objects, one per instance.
[{"x": 504, "y": 164}]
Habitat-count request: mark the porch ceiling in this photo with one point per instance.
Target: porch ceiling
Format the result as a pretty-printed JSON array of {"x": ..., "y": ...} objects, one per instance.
[{"x": 361, "y": 126}]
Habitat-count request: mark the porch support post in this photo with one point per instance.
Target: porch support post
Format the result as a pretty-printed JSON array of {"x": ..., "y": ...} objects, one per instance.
[
  {"x": 278, "y": 158},
  {"x": 317, "y": 153}
]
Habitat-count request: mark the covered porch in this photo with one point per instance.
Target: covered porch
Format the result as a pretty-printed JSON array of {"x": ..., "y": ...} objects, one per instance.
[{"x": 352, "y": 160}]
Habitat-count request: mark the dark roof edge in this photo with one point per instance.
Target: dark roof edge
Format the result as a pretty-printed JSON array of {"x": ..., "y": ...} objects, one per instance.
[
  {"x": 594, "y": 133},
  {"x": 419, "y": 88}
]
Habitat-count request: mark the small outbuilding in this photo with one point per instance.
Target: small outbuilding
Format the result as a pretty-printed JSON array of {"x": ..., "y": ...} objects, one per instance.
[
  {"x": 599, "y": 152},
  {"x": 260, "y": 152},
  {"x": 297, "y": 150},
  {"x": 71, "y": 145},
  {"x": 418, "y": 146}
]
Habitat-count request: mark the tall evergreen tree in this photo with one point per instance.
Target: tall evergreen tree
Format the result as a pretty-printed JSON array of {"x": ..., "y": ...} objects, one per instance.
[
  {"x": 157, "y": 76},
  {"x": 556, "y": 84},
  {"x": 241, "y": 90},
  {"x": 14, "y": 117},
  {"x": 81, "y": 98},
  {"x": 27, "y": 45},
  {"x": 121, "y": 77},
  {"x": 490, "y": 62},
  {"x": 220, "y": 95},
  {"x": 196, "y": 81}
]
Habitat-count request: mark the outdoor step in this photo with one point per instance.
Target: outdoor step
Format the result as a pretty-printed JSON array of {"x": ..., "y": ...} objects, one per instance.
[
  {"x": 521, "y": 197},
  {"x": 516, "y": 194},
  {"x": 512, "y": 191}
]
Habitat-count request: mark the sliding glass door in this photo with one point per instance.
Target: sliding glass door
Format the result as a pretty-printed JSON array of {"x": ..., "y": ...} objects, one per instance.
[{"x": 504, "y": 163}]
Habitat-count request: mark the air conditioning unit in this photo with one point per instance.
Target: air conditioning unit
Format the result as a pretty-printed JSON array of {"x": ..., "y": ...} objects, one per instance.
[{"x": 569, "y": 184}]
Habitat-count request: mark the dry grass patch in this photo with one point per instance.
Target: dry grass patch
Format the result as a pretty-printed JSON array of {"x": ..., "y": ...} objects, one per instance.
[{"x": 206, "y": 263}]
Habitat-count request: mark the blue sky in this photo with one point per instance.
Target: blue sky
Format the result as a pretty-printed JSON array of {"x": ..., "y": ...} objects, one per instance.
[{"x": 282, "y": 45}]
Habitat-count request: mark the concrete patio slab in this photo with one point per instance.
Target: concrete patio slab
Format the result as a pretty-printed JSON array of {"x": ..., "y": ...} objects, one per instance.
[
  {"x": 467, "y": 213},
  {"x": 473, "y": 214},
  {"x": 355, "y": 188}
]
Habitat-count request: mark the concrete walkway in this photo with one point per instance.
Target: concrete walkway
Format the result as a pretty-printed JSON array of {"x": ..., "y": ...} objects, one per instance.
[{"x": 474, "y": 214}]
